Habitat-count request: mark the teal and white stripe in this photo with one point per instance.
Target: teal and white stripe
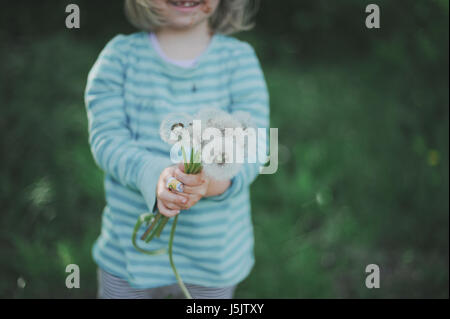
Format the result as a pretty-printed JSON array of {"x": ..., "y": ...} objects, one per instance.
[{"x": 130, "y": 90}]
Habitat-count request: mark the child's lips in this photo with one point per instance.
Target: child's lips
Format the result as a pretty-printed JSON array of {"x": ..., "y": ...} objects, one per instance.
[{"x": 185, "y": 5}]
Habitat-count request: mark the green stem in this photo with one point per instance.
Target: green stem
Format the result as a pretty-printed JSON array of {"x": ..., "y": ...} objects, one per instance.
[
  {"x": 154, "y": 232},
  {"x": 184, "y": 159},
  {"x": 197, "y": 169},
  {"x": 149, "y": 229},
  {"x": 161, "y": 226},
  {"x": 172, "y": 264},
  {"x": 142, "y": 219},
  {"x": 191, "y": 161}
]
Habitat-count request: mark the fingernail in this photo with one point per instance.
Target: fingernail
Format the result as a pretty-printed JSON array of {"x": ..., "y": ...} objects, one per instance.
[{"x": 184, "y": 200}]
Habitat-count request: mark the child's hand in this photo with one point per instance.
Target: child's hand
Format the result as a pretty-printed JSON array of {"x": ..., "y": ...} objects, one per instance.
[
  {"x": 199, "y": 185},
  {"x": 195, "y": 185},
  {"x": 169, "y": 203}
]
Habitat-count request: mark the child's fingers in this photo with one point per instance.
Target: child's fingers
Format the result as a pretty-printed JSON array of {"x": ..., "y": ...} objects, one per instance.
[
  {"x": 163, "y": 209},
  {"x": 168, "y": 196},
  {"x": 198, "y": 190},
  {"x": 172, "y": 206},
  {"x": 188, "y": 179},
  {"x": 193, "y": 199}
]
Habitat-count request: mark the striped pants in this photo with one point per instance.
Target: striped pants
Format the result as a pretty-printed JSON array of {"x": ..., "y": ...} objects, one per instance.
[{"x": 112, "y": 287}]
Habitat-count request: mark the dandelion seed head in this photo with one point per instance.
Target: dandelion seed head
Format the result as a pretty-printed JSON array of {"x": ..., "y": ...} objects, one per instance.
[
  {"x": 172, "y": 127},
  {"x": 218, "y": 163},
  {"x": 211, "y": 117}
]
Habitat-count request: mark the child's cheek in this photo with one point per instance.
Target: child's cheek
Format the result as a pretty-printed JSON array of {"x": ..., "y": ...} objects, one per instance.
[
  {"x": 159, "y": 5},
  {"x": 206, "y": 7},
  {"x": 210, "y": 6}
]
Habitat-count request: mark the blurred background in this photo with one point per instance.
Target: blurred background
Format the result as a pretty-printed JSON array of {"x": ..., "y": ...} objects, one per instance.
[{"x": 363, "y": 118}]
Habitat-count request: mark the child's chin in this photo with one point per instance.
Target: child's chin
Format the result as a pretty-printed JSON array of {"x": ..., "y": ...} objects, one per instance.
[{"x": 183, "y": 22}]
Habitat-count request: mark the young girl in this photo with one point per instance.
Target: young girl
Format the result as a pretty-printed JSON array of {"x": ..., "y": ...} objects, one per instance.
[{"x": 182, "y": 60}]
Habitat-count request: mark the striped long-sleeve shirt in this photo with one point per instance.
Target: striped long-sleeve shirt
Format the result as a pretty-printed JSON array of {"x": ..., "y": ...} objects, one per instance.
[{"x": 130, "y": 90}]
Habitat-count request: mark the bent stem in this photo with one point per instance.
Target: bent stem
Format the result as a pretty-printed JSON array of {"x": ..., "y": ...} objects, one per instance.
[
  {"x": 157, "y": 223},
  {"x": 145, "y": 218},
  {"x": 172, "y": 264}
]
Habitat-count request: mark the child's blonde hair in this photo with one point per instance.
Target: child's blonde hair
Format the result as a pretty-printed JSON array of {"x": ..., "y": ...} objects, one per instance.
[{"x": 231, "y": 15}]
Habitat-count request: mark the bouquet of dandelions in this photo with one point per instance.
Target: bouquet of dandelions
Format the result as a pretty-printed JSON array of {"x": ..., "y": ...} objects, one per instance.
[{"x": 208, "y": 142}]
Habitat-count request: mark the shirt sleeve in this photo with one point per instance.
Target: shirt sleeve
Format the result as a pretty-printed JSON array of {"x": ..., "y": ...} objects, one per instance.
[
  {"x": 249, "y": 93},
  {"x": 112, "y": 144}
]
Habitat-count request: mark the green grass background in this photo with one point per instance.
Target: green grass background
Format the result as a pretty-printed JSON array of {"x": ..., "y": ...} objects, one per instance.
[{"x": 363, "y": 132}]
